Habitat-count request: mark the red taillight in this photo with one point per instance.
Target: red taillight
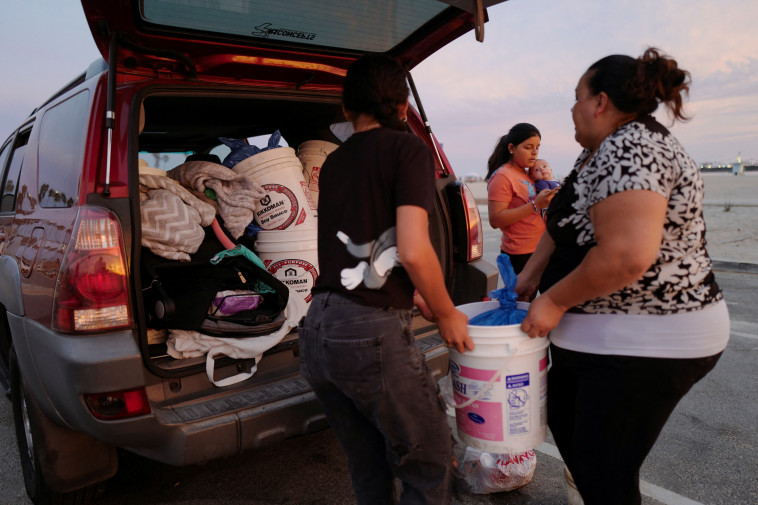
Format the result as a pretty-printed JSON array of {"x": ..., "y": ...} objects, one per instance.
[
  {"x": 475, "y": 247},
  {"x": 91, "y": 292},
  {"x": 99, "y": 277},
  {"x": 118, "y": 404}
]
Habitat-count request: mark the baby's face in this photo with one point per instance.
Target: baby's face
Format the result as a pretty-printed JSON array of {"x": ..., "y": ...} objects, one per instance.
[{"x": 541, "y": 171}]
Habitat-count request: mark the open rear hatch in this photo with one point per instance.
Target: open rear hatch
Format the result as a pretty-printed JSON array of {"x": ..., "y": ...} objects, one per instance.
[
  {"x": 286, "y": 60},
  {"x": 224, "y": 39}
]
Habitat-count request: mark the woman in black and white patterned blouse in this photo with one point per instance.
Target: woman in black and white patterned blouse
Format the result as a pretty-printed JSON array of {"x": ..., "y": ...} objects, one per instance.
[{"x": 627, "y": 289}]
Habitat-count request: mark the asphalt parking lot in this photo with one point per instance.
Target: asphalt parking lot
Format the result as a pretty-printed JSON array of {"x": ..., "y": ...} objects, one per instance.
[{"x": 707, "y": 453}]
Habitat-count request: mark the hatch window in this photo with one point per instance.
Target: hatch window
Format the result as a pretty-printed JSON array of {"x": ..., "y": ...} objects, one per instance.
[{"x": 362, "y": 25}]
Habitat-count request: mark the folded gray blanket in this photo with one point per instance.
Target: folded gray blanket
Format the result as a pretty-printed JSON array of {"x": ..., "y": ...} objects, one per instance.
[
  {"x": 172, "y": 218},
  {"x": 236, "y": 194}
]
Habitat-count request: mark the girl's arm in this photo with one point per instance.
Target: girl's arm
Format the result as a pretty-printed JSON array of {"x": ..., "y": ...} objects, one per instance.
[{"x": 501, "y": 216}]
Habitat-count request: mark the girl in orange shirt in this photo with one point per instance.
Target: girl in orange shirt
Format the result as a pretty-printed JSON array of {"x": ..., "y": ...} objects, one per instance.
[{"x": 513, "y": 203}]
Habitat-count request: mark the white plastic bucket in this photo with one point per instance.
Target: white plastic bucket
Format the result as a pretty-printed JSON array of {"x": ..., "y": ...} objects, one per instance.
[
  {"x": 291, "y": 256},
  {"x": 287, "y": 204},
  {"x": 312, "y": 154},
  {"x": 509, "y": 414}
]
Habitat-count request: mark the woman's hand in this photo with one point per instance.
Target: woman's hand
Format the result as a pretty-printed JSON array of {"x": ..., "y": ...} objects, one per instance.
[
  {"x": 453, "y": 328},
  {"x": 543, "y": 316}
]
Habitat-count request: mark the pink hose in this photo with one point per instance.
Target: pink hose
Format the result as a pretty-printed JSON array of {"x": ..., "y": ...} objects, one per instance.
[{"x": 228, "y": 244}]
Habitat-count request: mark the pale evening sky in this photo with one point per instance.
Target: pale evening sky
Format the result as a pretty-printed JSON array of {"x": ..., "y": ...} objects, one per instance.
[{"x": 526, "y": 70}]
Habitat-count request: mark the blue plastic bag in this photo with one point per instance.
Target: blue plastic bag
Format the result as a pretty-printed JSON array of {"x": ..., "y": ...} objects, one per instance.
[
  {"x": 242, "y": 150},
  {"x": 507, "y": 313}
]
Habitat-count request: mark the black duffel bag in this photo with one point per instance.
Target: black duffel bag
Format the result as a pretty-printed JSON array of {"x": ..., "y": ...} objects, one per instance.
[{"x": 179, "y": 295}]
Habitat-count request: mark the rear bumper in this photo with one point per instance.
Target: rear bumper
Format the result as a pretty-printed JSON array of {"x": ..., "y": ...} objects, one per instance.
[
  {"x": 200, "y": 423},
  {"x": 473, "y": 281}
]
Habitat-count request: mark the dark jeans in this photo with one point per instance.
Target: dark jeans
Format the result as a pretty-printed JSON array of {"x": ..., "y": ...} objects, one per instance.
[
  {"x": 606, "y": 412},
  {"x": 380, "y": 399}
]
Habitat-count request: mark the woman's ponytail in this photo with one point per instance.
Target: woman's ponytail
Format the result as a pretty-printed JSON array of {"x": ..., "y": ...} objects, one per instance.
[
  {"x": 386, "y": 113},
  {"x": 661, "y": 79},
  {"x": 638, "y": 85}
]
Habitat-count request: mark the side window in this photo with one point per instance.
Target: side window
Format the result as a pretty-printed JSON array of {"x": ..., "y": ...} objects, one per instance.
[
  {"x": 3, "y": 160},
  {"x": 10, "y": 180},
  {"x": 61, "y": 146}
]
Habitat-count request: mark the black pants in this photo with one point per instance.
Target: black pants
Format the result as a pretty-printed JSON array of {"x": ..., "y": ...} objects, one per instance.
[
  {"x": 606, "y": 412},
  {"x": 517, "y": 261}
]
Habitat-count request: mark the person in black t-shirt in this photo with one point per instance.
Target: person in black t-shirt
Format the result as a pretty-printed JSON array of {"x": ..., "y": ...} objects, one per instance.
[{"x": 357, "y": 348}]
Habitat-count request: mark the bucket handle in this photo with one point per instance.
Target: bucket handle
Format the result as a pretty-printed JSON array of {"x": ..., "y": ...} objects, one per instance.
[{"x": 489, "y": 384}]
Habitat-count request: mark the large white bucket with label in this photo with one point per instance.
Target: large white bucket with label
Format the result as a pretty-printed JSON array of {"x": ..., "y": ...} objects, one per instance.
[
  {"x": 291, "y": 256},
  {"x": 500, "y": 388},
  {"x": 312, "y": 154},
  {"x": 287, "y": 204}
]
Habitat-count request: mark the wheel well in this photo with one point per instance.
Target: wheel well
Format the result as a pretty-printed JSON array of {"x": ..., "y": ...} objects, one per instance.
[{"x": 68, "y": 462}]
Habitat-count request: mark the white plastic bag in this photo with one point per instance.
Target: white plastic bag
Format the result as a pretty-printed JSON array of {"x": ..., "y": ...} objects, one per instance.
[
  {"x": 493, "y": 473},
  {"x": 487, "y": 472},
  {"x": 446, "y": 391}
]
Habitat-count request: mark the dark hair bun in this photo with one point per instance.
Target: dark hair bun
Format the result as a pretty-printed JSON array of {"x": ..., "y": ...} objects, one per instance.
[
  {"x": 661, "y": 80},
  {"x": 638, "y": 85}
]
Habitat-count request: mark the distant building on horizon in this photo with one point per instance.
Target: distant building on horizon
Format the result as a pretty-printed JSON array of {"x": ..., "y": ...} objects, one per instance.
[{"x": 737, "y": 168}]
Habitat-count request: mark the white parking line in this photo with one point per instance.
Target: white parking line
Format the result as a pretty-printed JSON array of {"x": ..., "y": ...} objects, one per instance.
[
  {"x": 664, "y": 495},
  {"x": 651, "y": 490},
  {"x": 743, "y": 334},
  {"x": 550, "y": 450},
  {"x": 743, "y": 329}
]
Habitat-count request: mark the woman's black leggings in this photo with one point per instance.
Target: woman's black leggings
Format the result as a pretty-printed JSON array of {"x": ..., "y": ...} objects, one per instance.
[{"x": 606, "y": 412}]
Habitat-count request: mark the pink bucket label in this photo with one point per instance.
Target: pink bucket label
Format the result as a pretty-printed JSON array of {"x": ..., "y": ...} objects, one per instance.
[
  {"x": 297, "y": 274},
  {"x": 278, "y": 209},
  {"x": 301, "y": 219},
  {"x": 482, "y": 419},
  {"x": 500, "y": 412},
  {"x": 476, "y": 373}
]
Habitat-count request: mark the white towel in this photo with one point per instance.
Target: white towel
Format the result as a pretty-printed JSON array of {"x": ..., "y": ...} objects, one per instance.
[{"x": 190, "y": 344}]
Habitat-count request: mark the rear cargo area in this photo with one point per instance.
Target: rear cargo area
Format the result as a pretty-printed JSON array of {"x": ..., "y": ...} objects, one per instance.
[{"x": 221, "y": 140}]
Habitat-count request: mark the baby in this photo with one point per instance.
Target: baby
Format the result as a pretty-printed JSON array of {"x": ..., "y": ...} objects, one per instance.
[{"x": 542, "y": 175}]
